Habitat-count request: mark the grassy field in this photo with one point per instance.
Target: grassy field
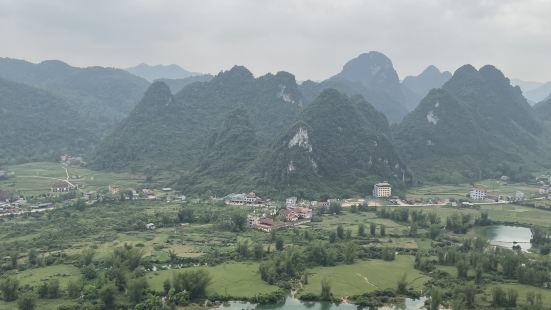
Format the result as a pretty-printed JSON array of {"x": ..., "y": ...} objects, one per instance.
[
  {"x": 461, "y": 190},
  {"x": 497, "y": 212},
  {"x": 41, "y": 304},
  {"x": 36, "y": 276},
  {"x": 235, "y": 279},
  {"x": 522, "y": 290},
  {"x": 365, "y": 276},
  {"x": 36, "y": 178},
  {"x": 351, "y": 221}
]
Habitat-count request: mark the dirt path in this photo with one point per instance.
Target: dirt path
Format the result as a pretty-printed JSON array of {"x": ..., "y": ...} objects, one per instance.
[{"x": 366, "y": 280}]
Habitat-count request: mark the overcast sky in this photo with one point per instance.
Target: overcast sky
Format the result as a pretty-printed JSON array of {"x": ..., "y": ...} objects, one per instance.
[{"x": 311, "y": 38}]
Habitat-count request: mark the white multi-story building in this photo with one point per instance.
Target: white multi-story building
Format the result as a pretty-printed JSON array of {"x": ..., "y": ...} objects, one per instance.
[
  {"x": 477, "y": 194},
  {"x": 382, "y": 190}
]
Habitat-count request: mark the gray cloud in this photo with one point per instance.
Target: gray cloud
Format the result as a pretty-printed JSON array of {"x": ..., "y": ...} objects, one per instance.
[{"x": 310, "y": 38}]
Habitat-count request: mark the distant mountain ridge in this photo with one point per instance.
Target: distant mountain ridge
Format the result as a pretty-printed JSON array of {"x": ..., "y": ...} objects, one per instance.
[
  {"x": 155, "y": 72},
  {"x": 429, "y": 79},
  {"x": 177, "y": 85},
  {"x": 175, "y": 133},
  {"x": 103, "y": 95},
  {"x": 371, "y": 75},
  {"x": 37, "y": 126},
  {"x": 477, "y": 125}
]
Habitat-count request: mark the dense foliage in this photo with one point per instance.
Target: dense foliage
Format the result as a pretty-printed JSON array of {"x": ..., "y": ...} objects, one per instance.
[
  {"x": 102, "y": 95},
  {"x": 37, "y": 126},
  {"x": 476, "y": 126}
]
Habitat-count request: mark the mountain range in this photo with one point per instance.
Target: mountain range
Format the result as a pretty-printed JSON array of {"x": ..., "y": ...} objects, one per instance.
[
  {"x": 236, "y": 132},
  {"x": 103, "y": 95},
  {"x": 38, "y": 126},
  {"x": 477, "y": 125},
  {"x": 534, "y": 91},
  {"x": 155, "y": 72}
]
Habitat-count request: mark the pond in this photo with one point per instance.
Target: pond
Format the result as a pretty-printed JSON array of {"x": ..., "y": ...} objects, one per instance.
[
  {"x": 508, "y": 236},
  {"x": 295, "y": 304}
]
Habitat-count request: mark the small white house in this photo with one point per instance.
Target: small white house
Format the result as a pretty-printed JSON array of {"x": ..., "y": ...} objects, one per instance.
[
  {"x": 519, "y": 196},
  {"x": 291, "y": 202},
  {"x": 150, "y": 226}
]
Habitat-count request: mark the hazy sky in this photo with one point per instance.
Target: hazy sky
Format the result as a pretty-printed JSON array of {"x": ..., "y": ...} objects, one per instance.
[{"x": 311, "y": 38}]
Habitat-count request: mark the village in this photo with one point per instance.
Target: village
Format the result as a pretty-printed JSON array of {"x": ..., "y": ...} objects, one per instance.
[{"x": 263, "y": 214}]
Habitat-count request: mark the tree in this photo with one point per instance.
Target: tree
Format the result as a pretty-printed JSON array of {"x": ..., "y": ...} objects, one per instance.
[
  {"x": 136, "y": 289},
  {"x": 107, "y": 296},
  {"x": 372, "y": 229},
  {"x": 383, "y": 230},
  {"x": 361, "y": 230},
  {"x": 186, "y": 215},
  {"x": 13, "y": 259},
  {"x": 462, "y": 269},
  {"x": 340, "y": 232},
  {"x": 389, "y": 254},
  {"x": 258, "y": 251},
  {"x": 239, "y": 220},
  {"x": 33, "y": 257},
  {"x": 435, "y": 299},
  {"x": 401, "y": 286},
  {"x": 87, "y": 256},
  {"x": 26, "y": 301},
  {"x": 279, "y": 243},
  {"x": 512, "y": 296},
  {"x": 499, "y": 297},
  {"x": 9, "y": 287},
  {"x": 43, "y": 290},
  {"x": 335, "y": 208},
  {"x": 325, "y": 290},
  {"x": 73, "y": 289},
  {"x": 195, "y": 282},
  {"x": 53, "y": 288},
  {"x": 243, "y": 248},
  {"x": 434, "y": 231},
  {"x": 166, "y": 286},
  {"x": 349, "y": 252},
  {"x": 332, "y": 237}
]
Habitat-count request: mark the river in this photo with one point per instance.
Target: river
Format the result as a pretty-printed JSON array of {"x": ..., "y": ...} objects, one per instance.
[{"x": 295, "y": 304}]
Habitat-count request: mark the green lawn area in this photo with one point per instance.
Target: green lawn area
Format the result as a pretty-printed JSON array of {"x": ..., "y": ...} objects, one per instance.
[
  {"x": 365, "y": 276},
  {"x": 460, "y": 190},
  {"x": 35, "y": 276},
  {"x": 498, "y": 212},
  {"x": 235, "y": 279},
  {"x": 522, "y": 289},
  {"x": 350, "y": 221},
  {"x": 41, "y": 304},
  {"x": 36, "y": 178}
]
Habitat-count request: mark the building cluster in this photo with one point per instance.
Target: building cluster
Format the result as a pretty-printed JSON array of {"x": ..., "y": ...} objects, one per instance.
[
  {"x": 71, "y": 160},
  {"x": 480, "y": 194},
  {"x": 63, "y": 187},
  {"x": 5, "y": 174},
  {"x": 14, "y": 205},
  {"x": 243, "y": 199},
  {"x": 165, "y": 193}
]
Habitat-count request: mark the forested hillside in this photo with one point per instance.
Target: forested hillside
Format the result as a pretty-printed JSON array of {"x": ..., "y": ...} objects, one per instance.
[
  {"x": 373, "y": 76},
  {"x": 476, "y": 126},
  {"x": 340, "y": 145},
  {"x": 166, "y": 131},
  {"x": 37, "y": 126},
  {"x": 102, "y": 95}
]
